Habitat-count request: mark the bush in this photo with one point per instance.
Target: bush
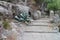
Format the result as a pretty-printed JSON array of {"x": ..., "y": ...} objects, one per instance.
[
  {"x": 59, "y": 27},
  {"x": 6, "y": 24},
  {"x": 52, "y": 21}
]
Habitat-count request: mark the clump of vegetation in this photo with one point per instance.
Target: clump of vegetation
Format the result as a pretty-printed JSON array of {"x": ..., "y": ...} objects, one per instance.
[
  {"x": 23, "y": 17},
  {"x": 52, "y": 5},
  {"x": 59, "y": 27},
  {"x": 6, "y": 24},
  {"x": 52, "y": 21}
]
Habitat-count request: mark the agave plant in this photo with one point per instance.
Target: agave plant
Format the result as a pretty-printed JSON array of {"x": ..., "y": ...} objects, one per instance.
[{"x": 22, "y": 17}]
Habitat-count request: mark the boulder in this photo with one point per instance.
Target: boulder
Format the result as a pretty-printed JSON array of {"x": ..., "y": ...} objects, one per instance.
[
  {"x": 6, "y": 8},
  {"x": 36, "y": 15},
  {"x": 51, "y": 13},
  {"x": 56, "y": 18},
  {"x": 22, "y": 8}
]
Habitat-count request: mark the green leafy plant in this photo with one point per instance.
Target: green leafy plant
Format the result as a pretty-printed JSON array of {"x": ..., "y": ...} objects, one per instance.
[
  {"x": 22, "y": 17},
  {"x": 6, "y": 24},
  {"x": 53, "y": 4}
]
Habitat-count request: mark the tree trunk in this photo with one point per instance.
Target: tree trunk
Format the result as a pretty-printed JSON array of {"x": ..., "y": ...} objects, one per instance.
[{"x": 42, "y": 8}]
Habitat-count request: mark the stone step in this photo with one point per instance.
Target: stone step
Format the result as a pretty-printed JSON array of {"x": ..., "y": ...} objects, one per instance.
[
  {"x": 45, "y": 18},
  {"x": 40, "y": 29},
  {"x": 39, "y": 24},
  {"x": 41, "y": 21},
  {"x": 41, "y": 36}
]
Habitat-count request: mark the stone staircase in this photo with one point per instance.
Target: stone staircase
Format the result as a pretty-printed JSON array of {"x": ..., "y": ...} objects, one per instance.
[
  {"x": 42, "y": 25},
  {"x": 41, "y": 36},
  {"x": 39, "y": 30}
]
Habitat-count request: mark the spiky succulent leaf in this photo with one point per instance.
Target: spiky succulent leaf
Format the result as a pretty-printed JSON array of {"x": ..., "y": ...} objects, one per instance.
[{"x": 23, "y": 17}]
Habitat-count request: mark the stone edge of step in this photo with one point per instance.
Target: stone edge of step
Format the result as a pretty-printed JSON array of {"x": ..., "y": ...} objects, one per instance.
[{"x": 41, "y": 31}]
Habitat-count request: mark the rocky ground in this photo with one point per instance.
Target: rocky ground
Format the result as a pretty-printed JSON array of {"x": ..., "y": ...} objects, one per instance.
[
  {"x": 37, "y": 30},
  {"x": 40, "y": 29}
]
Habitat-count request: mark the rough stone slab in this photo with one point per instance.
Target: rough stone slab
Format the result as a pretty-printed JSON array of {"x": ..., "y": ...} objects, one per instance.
[
  {"x": 41, "y": 21},
  {"x": 39, "y": 24},
  {"x": 41, "y": 36},
  {"x": 41, "y": 29}
]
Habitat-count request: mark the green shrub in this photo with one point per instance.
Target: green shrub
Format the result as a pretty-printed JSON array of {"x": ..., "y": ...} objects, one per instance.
[{"x": 6, "y": 24}]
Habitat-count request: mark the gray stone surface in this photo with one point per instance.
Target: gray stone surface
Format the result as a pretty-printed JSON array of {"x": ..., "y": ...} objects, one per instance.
[
  {"x": 36, "y": 15},
  {"x": 56, "y": 18},
  {"x": 51, "y": 14},
  {"x": 33, "y": 32},
  {"x": 39, "y": 24},
  {"x": 43, "y": 22},
  {"x": 41, "y": 29},
  {"x": 41, "y": 36}
]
